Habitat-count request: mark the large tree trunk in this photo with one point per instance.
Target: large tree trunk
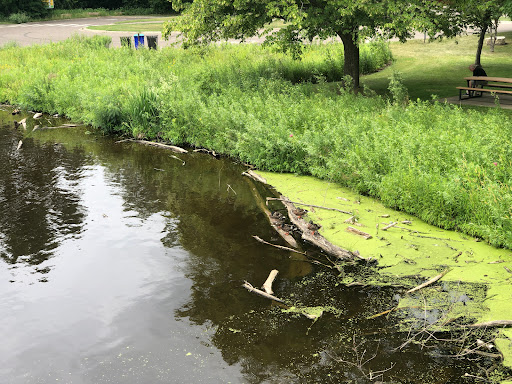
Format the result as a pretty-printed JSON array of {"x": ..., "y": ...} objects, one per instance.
[
  {"x": 351, "y": 53},
  {"x": 481, "y": 39}
]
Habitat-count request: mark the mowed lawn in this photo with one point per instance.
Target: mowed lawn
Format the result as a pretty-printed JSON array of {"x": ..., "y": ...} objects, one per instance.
[{"x": 437, "y": 67}]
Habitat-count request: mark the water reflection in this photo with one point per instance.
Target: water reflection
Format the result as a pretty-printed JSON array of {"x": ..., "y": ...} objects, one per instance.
[{"x": 40, "y": 202}]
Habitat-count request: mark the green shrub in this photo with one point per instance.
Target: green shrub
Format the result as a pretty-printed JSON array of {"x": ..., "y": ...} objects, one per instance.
[{"x": 19, "y": 18}]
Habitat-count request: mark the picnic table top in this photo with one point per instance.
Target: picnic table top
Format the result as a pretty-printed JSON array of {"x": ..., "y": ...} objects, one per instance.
[{"x": 488, "y": 78}]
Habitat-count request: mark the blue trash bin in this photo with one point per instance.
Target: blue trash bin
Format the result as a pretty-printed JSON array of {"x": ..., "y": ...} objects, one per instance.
[{"x": 139, "y": 40}]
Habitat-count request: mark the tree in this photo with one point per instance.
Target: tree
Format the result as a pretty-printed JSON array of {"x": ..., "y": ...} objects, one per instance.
[{"x": 205, "y": 21}]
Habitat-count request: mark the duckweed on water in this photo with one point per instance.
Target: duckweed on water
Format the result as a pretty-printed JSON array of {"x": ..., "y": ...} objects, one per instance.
[{"x": 476, "y": 289}]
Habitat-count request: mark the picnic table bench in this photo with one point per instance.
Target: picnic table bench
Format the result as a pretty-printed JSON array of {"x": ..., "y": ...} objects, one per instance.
[{"x": 504, "y": 85}]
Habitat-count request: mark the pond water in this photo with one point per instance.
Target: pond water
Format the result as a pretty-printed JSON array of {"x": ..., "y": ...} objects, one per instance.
[{"x": 121, "y": 263}]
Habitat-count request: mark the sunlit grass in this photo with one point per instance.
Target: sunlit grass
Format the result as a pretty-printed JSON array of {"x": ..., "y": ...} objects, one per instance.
[
  {"x": 436, "y": 68},
  {"x": 130, "y": 27}
]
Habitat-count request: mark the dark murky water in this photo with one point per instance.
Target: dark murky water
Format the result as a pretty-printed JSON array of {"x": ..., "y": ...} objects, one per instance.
[{"x": 123, "y": 264}]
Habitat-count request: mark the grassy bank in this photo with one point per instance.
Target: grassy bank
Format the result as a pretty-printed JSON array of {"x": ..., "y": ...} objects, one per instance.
[{"x": 450, "y": 167}]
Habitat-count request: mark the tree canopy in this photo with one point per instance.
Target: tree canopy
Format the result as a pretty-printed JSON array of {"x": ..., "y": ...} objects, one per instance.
[{"x": 205, "y": 21}]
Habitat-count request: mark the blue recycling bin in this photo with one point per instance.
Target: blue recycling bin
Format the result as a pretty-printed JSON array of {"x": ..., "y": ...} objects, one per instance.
[{"x": 138, "y": 40}]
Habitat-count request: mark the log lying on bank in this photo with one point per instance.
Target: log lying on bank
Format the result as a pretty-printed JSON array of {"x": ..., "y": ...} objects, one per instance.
[
  {"x": 315, "y": 238},
  {"x": 267, "y": 285},
  {"x": 38, "y": 115},
  {"x": 155, "y": 144},
  {"x": 204, "y": 150}
]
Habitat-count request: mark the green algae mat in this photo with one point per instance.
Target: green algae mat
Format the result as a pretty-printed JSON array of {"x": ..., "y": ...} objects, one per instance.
[{"x": 410, "y": 251}]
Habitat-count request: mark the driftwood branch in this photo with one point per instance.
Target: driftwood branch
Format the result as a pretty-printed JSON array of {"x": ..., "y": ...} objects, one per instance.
[
  {"x": 155, "y": 144},
  {"x": 360, "y": 233},
  {"x": 427, "y": 283},
  {"x": 59, "y": 127},
  {"x": 308, "y": 205},
  {"x": 389, "y": 226},
  {"x": 20, "y": 143},
  {"x": 253, "y": 175},
  {"x": 278, "y": 246},
  {"x": 314, "y": 237},
  {"x": 492, "y": 324},
  {"x": 257, "y": 291},
  {"x": 267, "y": 285}
]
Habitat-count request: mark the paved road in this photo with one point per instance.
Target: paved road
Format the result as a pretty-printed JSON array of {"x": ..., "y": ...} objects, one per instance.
[
  {"x": 56, "y": 30},
  {"x": 52, "y": 31}
]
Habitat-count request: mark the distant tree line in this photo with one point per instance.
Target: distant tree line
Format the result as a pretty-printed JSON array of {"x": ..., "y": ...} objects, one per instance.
[
  {"x": 157, "y": 6},
  {"x": 36, "y": 8}
]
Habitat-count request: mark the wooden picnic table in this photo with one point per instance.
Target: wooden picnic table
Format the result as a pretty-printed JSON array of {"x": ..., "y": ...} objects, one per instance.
[{"x": 490, "y": 85}]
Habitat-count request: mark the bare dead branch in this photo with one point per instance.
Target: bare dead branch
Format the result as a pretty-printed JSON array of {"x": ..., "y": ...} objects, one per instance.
[{"x": 427, "y": 283}]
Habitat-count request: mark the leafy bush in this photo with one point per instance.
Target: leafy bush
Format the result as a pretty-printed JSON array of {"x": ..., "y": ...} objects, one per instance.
[
  {"x": 450, "y": 167},
  {"x": 19, "y": 18}
]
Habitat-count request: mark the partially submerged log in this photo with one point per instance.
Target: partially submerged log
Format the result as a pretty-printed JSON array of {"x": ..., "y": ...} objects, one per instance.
[
  {"x": 302, "y": 311},
  {"x": 389, "y": 226},
  {"x": 204, "y": 150},
  {"x": 20, "y": 143},
  {"x": 315, "y": 238},
  {"x": 356, "y": 231},
  {"x": 257, "y": 291},
  {"x": 427, "y": 283},
  {"x": 267, "y": 285},
  {"x": 253, "y": 175},
  {"x": 155, "y": 144},
  {"x": 310, "y": 205},
  {"x": 492, "y": 324},
  {"x": 274, "y": 222}
]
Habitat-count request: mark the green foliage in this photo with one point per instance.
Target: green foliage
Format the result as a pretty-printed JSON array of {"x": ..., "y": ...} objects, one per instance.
[
  {"x": 354, "y": 21},
  {"x": 30, "y": 8},
  {"x": 19, "y": 18},
  {"x": 450, "y": 167},
  {"x": 397, "y": 89}
]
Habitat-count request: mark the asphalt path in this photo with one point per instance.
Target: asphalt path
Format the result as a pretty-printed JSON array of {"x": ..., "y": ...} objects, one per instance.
[{"x": 57, "y": 30}]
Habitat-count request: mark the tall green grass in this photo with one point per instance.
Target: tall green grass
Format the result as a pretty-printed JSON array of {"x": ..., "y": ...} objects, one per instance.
[{"x": 449, "y": 166}]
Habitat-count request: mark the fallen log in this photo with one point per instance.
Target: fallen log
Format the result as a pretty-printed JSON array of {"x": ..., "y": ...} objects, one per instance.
[
  {"x": 315, "y": 238},
  {"x": 427, "y": 283},
  {"x": 38, "y": 115},
  {"x": 257, "y": 291},
  {"x": 492, "y": 324},
  {"x": 267, "y": 285},
  {"x": 274, "y": 222},
  {"x": 309, "y": 205},
  {"x": 356, "y": 231},
  {"x": 253, "y": 175},
  {"x": 155, "y": 144},
  {"x": 20, "y": 143},
  {"x": 389, "y": 226}
]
